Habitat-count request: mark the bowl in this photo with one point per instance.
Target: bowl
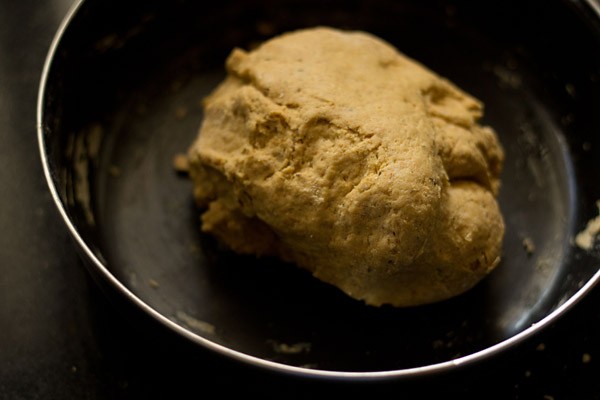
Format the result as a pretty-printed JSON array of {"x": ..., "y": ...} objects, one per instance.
[{"x": 121, "y": 95}]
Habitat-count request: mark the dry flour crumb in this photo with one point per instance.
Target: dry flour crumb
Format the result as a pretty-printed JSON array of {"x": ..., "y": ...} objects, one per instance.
[
  {"x": 541, "y": 347},
  {"x": 507, "y": 78},
  {"x": 181, "y": 163},
  {"x": 529, "y": 246},
  {"x": 585, "y": 239}
]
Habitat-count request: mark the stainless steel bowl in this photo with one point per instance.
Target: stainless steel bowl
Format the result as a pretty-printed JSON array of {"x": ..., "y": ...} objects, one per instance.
[{"x": 120, "y": 96}]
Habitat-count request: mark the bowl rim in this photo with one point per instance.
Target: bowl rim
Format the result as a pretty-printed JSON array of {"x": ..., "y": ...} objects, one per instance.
[{"x": 111, "y": 279}]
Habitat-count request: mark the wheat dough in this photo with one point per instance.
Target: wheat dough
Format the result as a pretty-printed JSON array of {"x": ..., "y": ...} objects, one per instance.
[{"x": 332, "y": 150}]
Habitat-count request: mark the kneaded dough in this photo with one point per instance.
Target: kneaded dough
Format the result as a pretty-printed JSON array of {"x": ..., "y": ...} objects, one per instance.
[{"x": 332, "y": 150}]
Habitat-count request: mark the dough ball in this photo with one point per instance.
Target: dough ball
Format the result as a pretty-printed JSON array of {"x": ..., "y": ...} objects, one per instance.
[{"x": 333, "y": 151}]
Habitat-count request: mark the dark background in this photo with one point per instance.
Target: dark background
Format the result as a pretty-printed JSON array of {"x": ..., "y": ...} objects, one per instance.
[{"x": 61, "y": 339}]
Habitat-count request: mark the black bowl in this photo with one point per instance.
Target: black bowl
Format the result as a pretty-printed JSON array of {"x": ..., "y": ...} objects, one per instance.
[{"x": 121, "y": 96}]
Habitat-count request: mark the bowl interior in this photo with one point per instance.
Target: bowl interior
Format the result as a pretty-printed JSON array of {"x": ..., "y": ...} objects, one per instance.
[{"x": 124, "y": 95}]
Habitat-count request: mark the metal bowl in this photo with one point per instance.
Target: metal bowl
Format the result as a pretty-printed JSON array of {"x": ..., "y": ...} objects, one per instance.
[{"x": 121, "y": 95}]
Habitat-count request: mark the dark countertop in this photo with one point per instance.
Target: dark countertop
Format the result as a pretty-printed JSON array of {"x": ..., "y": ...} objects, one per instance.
[{"x": 60, "y": 338}]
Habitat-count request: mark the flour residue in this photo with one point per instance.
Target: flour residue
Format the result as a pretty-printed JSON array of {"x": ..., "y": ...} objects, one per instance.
[
  {"x": 294, "y": 348},
  {"x": 195, "y": 324},
  {"x": 585, "y": 239},
  {"x": 86, "y": 148}
]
